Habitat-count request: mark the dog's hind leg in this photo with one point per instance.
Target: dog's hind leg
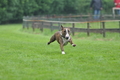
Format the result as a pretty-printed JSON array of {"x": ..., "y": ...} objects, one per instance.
[{"x": 52, "y": 39}]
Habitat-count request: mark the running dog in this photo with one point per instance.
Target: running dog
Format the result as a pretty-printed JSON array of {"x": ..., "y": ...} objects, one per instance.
[{"x": 62, "y": 37}]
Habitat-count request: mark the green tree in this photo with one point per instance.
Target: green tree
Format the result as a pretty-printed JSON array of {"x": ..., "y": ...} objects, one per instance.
[
  {"x": 70, "y": 6},
  {"x": 57, "y": 7},
  {"x": 14, "y": 10},
  {"x": 3, "y": 10}
]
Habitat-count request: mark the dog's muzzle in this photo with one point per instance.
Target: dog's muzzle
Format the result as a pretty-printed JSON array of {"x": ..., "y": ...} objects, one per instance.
[{"x": 67, "y": 38}]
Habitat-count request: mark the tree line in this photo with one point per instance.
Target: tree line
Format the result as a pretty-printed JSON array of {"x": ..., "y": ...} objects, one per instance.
[{"x": 14, "y": 10}]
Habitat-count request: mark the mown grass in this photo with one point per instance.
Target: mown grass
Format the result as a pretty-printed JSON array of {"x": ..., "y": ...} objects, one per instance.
[{"x": 25, "y": 56}]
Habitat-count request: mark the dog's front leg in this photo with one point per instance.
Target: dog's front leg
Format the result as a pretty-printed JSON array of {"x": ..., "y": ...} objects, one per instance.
[
  {"x": 72, "y": 43},
  {"x": 62, "y": 49},
  {"x": 60, "y": 41}
]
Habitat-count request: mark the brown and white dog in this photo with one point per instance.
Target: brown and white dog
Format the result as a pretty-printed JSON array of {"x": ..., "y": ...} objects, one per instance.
[{"x": 62, "y": 37}]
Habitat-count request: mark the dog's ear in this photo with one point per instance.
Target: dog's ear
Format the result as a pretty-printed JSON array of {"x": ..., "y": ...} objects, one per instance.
[{"x": 61, "y": 27}]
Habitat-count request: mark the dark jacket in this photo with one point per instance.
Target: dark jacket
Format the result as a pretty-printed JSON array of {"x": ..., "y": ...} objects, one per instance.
[{"x": 96, "y": 4}]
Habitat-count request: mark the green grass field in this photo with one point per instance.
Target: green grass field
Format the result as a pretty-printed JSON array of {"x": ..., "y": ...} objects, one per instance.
[{"x": 24, "y": 55}]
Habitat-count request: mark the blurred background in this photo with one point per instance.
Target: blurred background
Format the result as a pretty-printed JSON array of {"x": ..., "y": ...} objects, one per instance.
[{"x": 12, "y": 11}]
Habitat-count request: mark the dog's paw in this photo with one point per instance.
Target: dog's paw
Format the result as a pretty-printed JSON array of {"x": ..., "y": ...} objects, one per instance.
[
  {"x": 63, "y": 52},
  {"x": 73, "y": 45},
  {"x": 48, "y": 43}
]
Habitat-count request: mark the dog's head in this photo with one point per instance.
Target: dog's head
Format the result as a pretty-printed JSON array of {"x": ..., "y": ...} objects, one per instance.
[{"x": 65, "y": 32}]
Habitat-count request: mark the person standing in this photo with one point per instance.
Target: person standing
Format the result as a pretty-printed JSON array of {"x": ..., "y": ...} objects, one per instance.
[
  {"x": 117, "y": 4},
  {"x": 97, "y": 7}
]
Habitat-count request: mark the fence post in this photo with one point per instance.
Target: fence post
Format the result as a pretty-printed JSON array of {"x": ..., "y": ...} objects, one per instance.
[
  {"x": 41, "y": 28},
  {"x": 73, "y": 26},
  {"x": 27, "y": 25},
  {"x": 51, "y": 25},
  {"x": 103, "y": 25},
  {"x": 100, "y": 25},
  {"x": 119, "y": 28},
  {"x": 119, "y": 24},
  {"x": 24, "y": 25},
  {"x": 33, "y": 25},
  {"x": 59, "y": 28},
  {"x": 88, "y": 29}
]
